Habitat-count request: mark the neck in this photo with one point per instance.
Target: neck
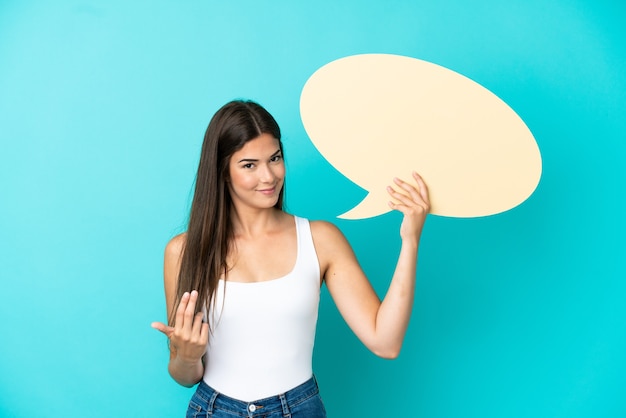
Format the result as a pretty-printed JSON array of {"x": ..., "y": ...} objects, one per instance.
[{"x": 251, "y": 222}]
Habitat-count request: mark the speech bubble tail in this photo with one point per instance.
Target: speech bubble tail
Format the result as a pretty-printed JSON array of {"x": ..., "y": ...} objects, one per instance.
[{"x": 368, "y": 208}]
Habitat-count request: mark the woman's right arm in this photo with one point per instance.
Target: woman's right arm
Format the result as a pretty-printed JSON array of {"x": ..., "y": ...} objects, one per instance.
[{"x": 190, "y": 335}]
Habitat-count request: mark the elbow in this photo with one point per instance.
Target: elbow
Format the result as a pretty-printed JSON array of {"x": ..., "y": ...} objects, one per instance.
[
  {"x": 389, "y": 353},
  {"x": 185, "y": 382}
]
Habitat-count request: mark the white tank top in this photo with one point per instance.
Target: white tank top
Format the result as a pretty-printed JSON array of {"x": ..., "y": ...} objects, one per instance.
[{"x": 263, "y": 333}]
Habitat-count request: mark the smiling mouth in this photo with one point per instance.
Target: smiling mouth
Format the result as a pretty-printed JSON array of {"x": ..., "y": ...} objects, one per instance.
[{"x": 267, "y": 191}]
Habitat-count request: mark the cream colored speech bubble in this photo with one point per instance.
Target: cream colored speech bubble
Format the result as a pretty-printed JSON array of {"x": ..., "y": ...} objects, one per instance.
[{"x": 379, "y": 116}]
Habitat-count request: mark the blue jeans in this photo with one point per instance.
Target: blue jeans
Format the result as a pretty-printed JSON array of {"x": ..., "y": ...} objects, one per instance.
[{"x": 303, "y": 401}]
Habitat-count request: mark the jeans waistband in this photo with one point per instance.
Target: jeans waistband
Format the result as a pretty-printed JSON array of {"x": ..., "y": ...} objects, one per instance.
[{"x": 283, "y": 402}]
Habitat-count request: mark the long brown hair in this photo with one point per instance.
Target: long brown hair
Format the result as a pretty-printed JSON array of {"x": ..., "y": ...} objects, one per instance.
[{"x": 210, "y": 229}]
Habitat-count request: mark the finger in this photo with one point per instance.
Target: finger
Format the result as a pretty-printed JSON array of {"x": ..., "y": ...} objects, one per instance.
[
  {"x": 392, "y": 205},
  {"x": 417, "y": 194},
  {"x": 204, "y": 332},
  {"x": 402, "y": 208},
  {"x": 190, "y": 310},
  {"x": 403, "y": 184},
  {"x": 406, "y": 205},
  {"x": 197, "y": 324},
  {"x": 400, "y": 201},
  {"x": 423, "y": 188},
  {"x": 165, "y": 329},
  {"x": 180, "y": 312},
  {"x": 411, "y": 190},
  {"x": 400, "y": 197}
]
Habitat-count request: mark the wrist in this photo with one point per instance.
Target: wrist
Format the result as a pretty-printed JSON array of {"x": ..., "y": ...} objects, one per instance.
[
  {"x": 411, "y": 242},
  {"x": 185, "y": 362}
]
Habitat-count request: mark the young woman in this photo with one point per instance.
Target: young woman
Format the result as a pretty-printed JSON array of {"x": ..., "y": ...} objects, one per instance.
[{"x": 242, "y": 285}]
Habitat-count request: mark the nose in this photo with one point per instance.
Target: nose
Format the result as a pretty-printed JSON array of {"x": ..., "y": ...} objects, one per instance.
[{"x": 266, "y": 174}]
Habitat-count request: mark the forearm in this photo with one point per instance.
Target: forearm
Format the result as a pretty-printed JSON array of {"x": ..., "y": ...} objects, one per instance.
[
  {"x": 392, "y": 318},
  {"x": 185, "y": 373}
]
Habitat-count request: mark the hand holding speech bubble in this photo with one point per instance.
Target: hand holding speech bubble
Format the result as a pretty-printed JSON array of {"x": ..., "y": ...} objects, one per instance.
[{"x": 379, "y": 116}]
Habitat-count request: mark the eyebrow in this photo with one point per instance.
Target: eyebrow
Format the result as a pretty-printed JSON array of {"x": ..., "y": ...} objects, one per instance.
[{"x": 253, "y": 160}]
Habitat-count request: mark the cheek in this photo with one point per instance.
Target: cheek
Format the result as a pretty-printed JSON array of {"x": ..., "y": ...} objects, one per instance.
[
  {"x": 237, "y": 180},
  {"x": 280, "y": 171}
]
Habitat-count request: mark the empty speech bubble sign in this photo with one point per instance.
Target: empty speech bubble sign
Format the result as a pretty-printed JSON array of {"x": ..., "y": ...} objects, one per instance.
[{"x": 379, "y": 116}]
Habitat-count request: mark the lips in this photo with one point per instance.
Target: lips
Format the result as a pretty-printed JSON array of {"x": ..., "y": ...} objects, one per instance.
[{"x": 267, "y": 191}]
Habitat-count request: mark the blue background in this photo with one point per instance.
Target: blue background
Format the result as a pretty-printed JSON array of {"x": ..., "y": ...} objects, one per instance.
[{"x": 103, "y": 106}]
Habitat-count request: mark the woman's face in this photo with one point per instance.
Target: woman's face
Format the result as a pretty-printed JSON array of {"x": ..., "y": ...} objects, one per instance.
[{"x": 257, "y": 173}]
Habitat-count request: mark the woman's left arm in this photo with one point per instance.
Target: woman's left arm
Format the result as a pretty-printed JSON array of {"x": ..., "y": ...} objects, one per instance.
[{"x": 381, "y": 326}]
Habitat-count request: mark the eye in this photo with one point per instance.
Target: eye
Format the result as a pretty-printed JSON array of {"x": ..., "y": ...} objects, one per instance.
[
  {"x": 247, "y": 165},
  {"x": 276, "y": 158}
]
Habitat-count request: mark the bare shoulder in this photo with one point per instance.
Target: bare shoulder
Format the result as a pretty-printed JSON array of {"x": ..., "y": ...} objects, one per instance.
[
  {"x": 173, "y": 252},
  {"x": 324, "y": 231},
  {"x": 175, "y": 246},
  {"x": 171, "y": 268},
  {"x": 335, "y": 255},
  {"x": 331, "y": 245}
]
